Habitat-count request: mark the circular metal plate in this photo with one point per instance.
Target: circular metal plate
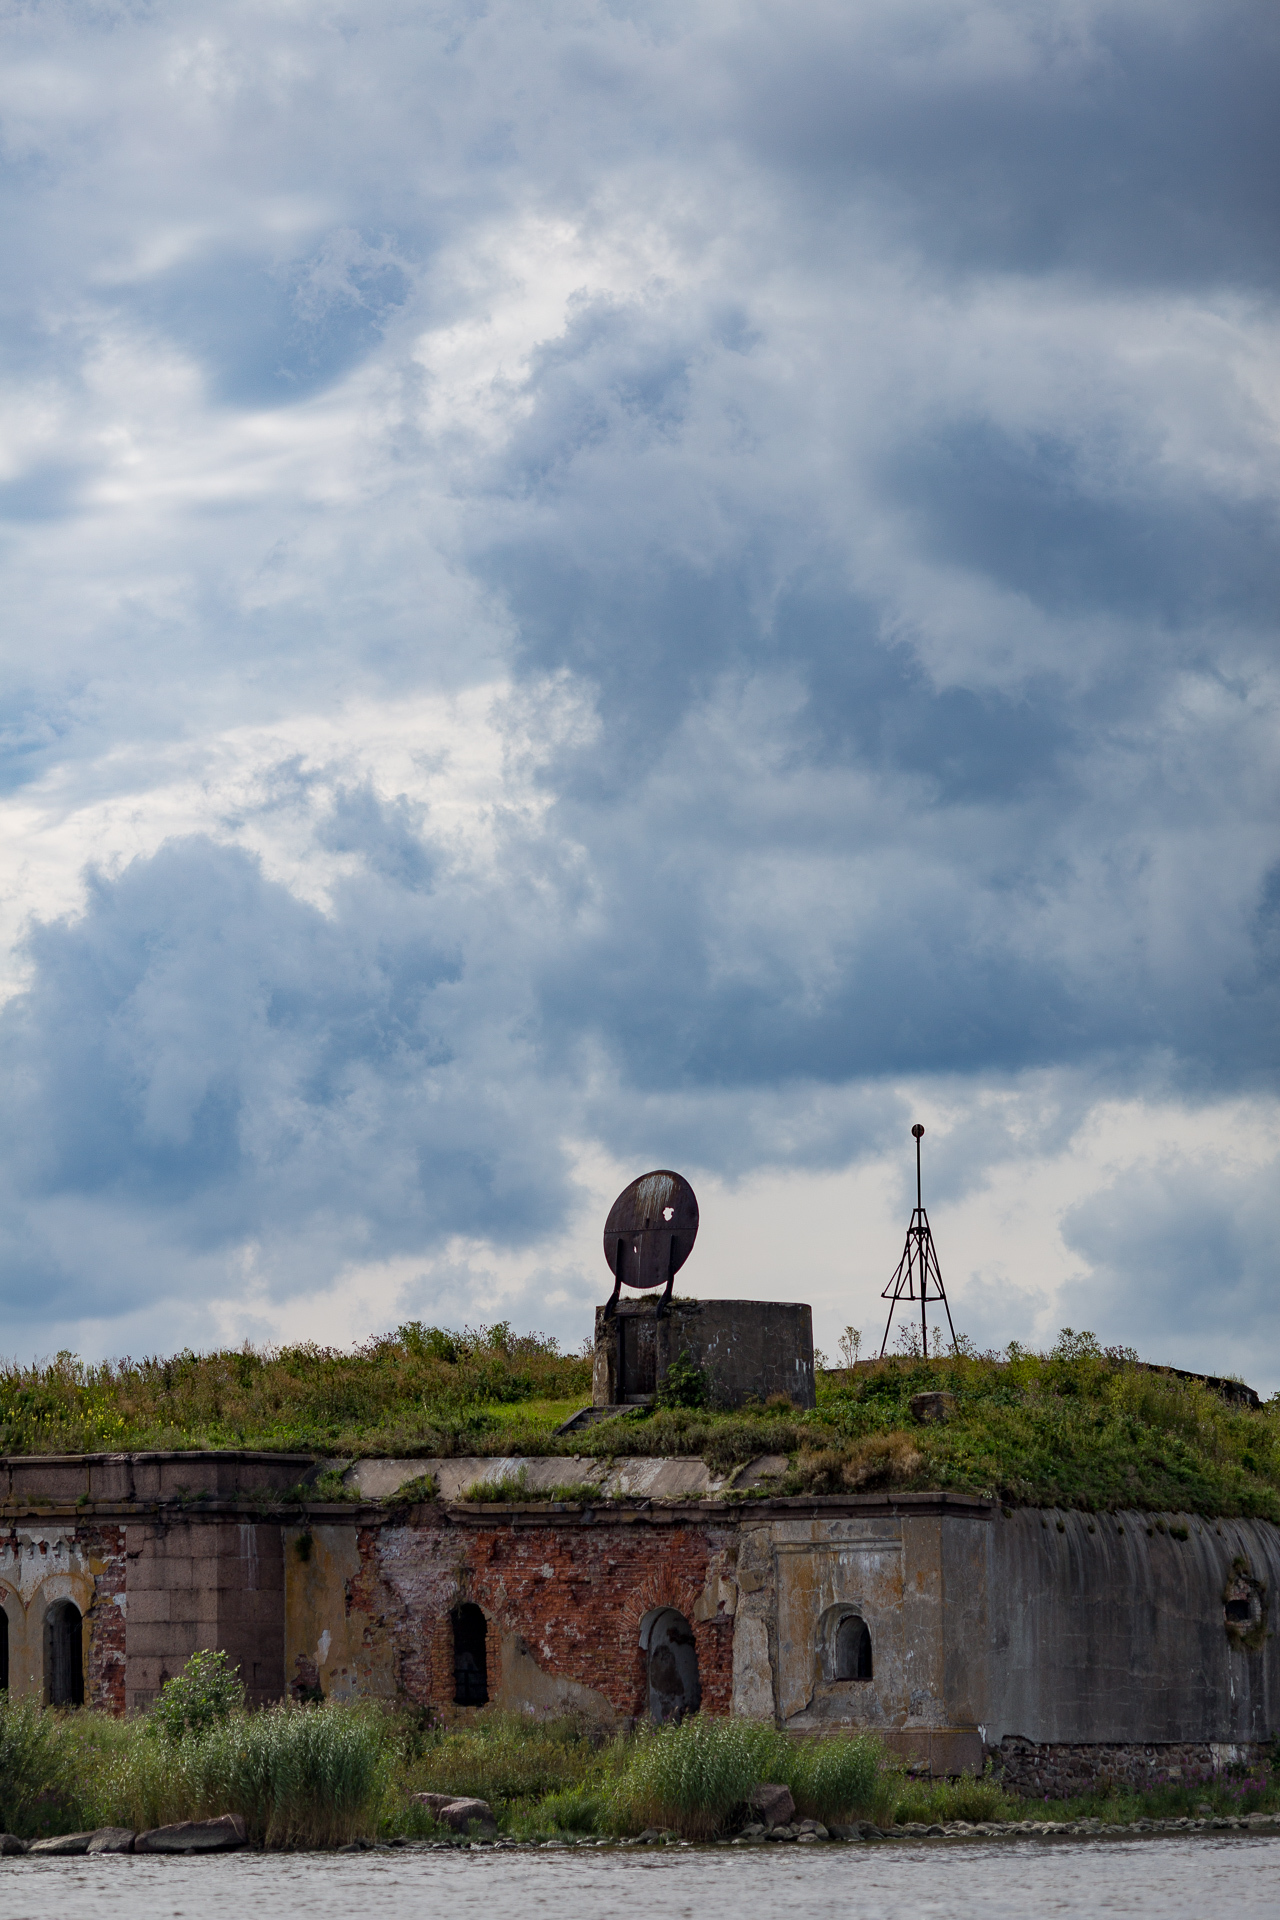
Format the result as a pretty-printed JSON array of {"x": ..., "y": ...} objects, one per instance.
[{"x": 651, "y": 1228}]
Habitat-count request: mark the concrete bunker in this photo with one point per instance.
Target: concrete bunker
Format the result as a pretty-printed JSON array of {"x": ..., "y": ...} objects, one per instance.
[
  {"x": 673, "y": 1687},
  {"x": 64, "y": 1655},
  {"x": 470, "y": 1655}
]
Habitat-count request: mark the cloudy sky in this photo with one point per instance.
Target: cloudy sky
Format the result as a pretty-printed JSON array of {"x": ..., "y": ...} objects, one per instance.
[{"x": 597, "y": 584}]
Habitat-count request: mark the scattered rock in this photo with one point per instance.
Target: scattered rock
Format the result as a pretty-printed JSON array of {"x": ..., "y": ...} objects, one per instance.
[
  {"x": 459, "y": 1815},
  {"x": 931, "y": 1409},
  {"x": 112, "y": 1840},
  {"x": 458, "y": 1810},
  {"x": 10, "y": 1843},
  {"x": 194, "y": 1836},
  {"x": 62, "y": 1843},
  {"x": 815, "y": 1827},
  {"x": 773, "y": 1803}
]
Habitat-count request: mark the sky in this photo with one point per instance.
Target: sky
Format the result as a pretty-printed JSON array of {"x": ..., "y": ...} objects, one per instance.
[{"x": 592, "y": 586}]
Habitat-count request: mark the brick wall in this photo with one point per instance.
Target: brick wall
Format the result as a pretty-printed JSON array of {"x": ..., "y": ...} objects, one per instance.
[
  {"x": 104, "y": 1548},
  {"x": 569, "y": 1598}
]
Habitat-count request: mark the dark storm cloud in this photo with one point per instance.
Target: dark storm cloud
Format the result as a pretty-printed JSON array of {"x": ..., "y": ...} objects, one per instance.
[
  {"x": 885, "y": 465},
  {"x": 1138, "y": 143},
  {"x": 203, "y": 1047}
]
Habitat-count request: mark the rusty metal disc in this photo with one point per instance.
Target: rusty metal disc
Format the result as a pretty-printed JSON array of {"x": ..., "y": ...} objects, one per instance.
[{"x": 651, "y": 1229}]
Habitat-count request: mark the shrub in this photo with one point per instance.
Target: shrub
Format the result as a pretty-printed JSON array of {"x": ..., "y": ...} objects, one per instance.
[
  {"x": 207, "y": 1691},
  {"x": 693, "y": 1776},
  {"x": 684, "y": 1384}
]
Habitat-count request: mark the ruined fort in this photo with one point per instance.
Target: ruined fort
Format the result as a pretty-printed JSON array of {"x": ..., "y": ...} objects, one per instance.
[{"x": 1067, "y": 1646}]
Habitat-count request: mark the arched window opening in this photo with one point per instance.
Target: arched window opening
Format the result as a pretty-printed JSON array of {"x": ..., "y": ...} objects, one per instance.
[
  {"x": 674, "y": 1687},
  {"x": 470, "y": 1660},
  {"x": 64, "y": 1655},
  {"x": 4, "y": 1648},
  {"x": 851, "y": 1649}
]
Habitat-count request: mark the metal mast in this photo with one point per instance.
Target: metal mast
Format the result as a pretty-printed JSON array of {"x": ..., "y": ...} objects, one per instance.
[{"x": 918, "y": 1275}]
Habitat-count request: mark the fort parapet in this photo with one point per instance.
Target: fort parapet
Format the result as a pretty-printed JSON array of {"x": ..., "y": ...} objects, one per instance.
[{"x": 1066, "y": 1644}]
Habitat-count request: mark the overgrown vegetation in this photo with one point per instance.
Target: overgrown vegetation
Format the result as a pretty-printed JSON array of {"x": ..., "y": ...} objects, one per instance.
[
  {"x": 1079, "y": 1426},
  {"x": 419, "y": 1391},
  {"x": 323, "y": 1775}
]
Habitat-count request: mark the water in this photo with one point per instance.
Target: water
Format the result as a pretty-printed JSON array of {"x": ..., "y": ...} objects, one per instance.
[{"x": 1172, "y": 1878}]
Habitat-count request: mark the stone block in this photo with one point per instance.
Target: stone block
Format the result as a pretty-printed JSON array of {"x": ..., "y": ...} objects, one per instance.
[{"x": 148, "y": 1606}]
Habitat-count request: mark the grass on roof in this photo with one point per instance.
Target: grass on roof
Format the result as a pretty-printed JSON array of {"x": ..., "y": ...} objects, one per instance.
[{"x": 1079, "y": 1426}]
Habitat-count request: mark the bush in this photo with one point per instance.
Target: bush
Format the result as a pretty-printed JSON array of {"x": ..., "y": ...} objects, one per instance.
[
  {"x": 684, "y": 1384},
  {"x": 692, "y": 1777},
  {"x": 206, "y": 1692}
]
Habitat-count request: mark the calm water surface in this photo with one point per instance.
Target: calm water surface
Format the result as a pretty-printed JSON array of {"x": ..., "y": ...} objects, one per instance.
[{"x": 1196, "y": 1878}]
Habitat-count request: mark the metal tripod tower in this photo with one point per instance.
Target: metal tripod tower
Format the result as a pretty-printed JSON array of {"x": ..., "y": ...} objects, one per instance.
[{"x": 918, "y": 1276}]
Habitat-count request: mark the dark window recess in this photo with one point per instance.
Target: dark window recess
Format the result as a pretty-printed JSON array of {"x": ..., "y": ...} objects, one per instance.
[
  {"x": 470, "y": 1665},
  {"x": 674, "y": 1687},
  {"x": 1239, "y": 1610},
  {"x": 852, "y": 1649},
  {"x": 64, "y": 1655},
  {"x": 4, "y": 1649}
]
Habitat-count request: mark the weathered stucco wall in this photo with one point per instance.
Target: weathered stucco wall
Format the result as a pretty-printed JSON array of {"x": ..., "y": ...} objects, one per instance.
[
  {"x": 908, "y": 1575},
  {"x": 42, "y": 1564},
  {"x": 1112, "y": 1627}
]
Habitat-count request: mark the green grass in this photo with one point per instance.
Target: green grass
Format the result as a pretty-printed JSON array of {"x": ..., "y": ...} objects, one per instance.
[
  {"x": 1076, "y": 1427},
  {"x": 318, "y": 1776}
]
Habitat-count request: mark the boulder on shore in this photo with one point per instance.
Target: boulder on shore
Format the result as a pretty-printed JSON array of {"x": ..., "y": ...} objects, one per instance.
[
  {"x": 112, "y": 1840},
  {"x": 773, "y": 1804},
  {"x": 10, "y": 1843},
  {"x": 62, "y": 1843},
  {"x": 194, "y": 1836},
  {"x": 458, "y": 1811}
]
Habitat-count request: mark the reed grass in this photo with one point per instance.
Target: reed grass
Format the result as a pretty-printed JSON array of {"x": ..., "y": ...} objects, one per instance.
[
  {"x": 839, "y": 1778},
  {"x": 694, "y": 1776},
  {"x": 508, "y": 1757},
  {"x": 299, "y": 1776}
]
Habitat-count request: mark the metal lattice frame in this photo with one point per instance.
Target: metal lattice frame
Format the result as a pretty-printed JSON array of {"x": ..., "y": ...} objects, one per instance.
[{"x": 918, "y": 1275}]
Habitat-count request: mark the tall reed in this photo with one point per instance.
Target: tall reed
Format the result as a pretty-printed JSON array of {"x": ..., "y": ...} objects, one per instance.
[
  {"x": 693, "y": 1776},
  {"x": 299, "y": 1776}
]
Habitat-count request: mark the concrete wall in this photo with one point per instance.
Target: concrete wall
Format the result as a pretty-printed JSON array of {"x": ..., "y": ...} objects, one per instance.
[
  {"x": 750, "y": 1349},
  {"x": 906, "y": 1569},
  {"x": 1110, "y": 1627}
]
